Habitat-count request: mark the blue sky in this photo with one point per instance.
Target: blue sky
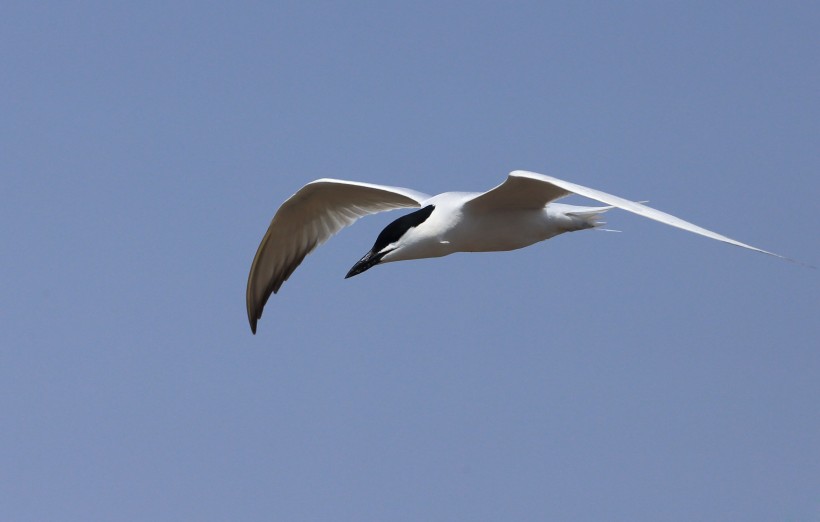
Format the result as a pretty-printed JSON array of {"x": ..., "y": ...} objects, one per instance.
[{"x": 643, "y": 376}]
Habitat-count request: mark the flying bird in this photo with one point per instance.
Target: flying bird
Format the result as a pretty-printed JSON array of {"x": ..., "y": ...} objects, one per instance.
[{"x": 519, "y": 212}]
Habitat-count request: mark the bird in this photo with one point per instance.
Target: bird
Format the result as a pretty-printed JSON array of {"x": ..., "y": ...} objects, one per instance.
[{"x": 518, "y": 213}]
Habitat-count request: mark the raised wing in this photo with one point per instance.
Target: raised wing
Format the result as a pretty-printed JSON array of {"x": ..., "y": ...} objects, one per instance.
[
  {"x": 306, "y": 220},
  {"x": 554, "y": 188},
  {"x": 518, "y": 192}
]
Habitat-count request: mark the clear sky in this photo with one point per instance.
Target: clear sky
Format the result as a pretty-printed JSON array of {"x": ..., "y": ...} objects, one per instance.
[{"x": 651, "y": 375}]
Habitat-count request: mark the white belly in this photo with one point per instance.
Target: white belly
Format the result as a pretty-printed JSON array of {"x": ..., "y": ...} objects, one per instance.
[{"x": 502, "y": 231}]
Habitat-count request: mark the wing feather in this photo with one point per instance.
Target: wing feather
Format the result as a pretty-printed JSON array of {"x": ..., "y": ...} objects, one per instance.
[
  {"x": 306, "y": 220},
  {"x": 517, "y": 192},
  {"x": 555, "y": 185}
]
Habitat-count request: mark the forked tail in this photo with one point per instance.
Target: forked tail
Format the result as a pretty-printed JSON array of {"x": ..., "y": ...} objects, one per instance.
[{"x": 587, "y": 217}]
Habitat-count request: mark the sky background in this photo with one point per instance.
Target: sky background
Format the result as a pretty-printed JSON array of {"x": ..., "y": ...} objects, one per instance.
[{"x": 651, "y": 375}]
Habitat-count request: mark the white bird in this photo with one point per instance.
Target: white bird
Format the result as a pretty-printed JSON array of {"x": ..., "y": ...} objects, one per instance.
[{"x": 518, "y": 213}]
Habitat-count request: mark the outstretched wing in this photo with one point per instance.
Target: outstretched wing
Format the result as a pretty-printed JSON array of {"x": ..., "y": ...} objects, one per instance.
[
  {"x": 306, "y": 220},
  {"x": 518, "y": 192},
  {"x": 530, "y": 190}
]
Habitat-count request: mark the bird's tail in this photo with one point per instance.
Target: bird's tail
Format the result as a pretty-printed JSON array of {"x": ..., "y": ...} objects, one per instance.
[{"x": 588, "y": 216}]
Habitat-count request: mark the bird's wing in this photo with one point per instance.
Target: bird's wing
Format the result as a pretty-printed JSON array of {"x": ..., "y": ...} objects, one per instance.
[
  {"x": 518, "y": 192},
  {"x": 306, "y": 220},
  {"x": 530, "y": 189}
]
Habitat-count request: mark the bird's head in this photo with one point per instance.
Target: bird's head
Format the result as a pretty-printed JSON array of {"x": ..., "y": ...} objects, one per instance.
[{"x": 395, "y": 236}]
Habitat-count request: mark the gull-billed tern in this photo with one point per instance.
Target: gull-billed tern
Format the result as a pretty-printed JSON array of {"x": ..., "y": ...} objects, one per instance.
[{"x": 518, "y": 213}]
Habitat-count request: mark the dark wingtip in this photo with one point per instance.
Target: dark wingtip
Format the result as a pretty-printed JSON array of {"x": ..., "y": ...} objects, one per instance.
[
  {"x": 253, "y": 326},
  {"x": 252, "y": 318}
]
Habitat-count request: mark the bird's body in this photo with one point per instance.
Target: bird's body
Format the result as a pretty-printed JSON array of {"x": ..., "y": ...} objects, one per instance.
[
  {"x": 455, "y": 228},
  {"x": 518, "y": 213}
]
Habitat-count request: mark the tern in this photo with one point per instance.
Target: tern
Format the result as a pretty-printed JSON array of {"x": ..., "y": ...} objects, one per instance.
[{"x": 518, "y": 213}]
